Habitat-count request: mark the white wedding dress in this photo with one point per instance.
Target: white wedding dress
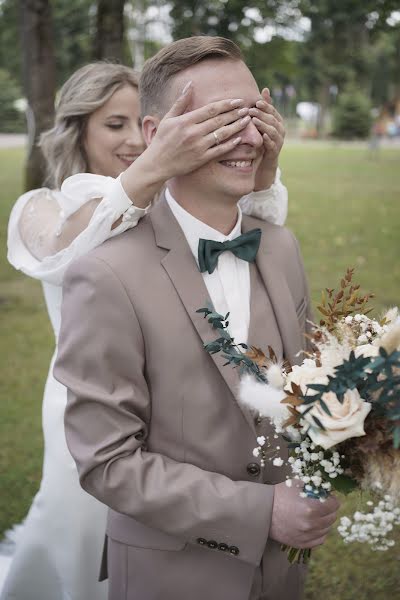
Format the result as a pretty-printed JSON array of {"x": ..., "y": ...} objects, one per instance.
[{"x": 59, "y": 545}]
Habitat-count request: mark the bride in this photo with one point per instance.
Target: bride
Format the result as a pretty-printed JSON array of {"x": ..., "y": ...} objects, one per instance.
[{"x": 97, "y": 133}]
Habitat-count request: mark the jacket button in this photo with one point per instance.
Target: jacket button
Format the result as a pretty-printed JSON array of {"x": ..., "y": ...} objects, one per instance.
[
  {"x": 234, "y": 550},
  {"x": 201, "y": 541},
  {"x": 223, "y": 547},
  {"x": 253, "y": 469},
  {"x": 212, "y": 544}
]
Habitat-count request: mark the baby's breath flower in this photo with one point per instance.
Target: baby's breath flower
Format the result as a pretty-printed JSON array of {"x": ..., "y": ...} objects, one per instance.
[{"x": 372, "y": 527}]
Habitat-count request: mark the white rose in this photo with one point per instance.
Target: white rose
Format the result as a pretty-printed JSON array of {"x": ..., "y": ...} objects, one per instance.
[
  {"x": 346, "y": 420},
  {"x": 307, "y": 373},
  {"x": 366, "y": 350}
]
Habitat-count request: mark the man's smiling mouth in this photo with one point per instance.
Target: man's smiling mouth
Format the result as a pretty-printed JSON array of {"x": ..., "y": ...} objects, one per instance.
[{"x": 237, "y": 164}]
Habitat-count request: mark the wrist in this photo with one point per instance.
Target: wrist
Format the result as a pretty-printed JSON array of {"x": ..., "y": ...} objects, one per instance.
[{"x": 142, "y": 180}]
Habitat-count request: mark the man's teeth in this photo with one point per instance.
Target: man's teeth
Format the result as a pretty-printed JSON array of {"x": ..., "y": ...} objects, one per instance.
[
  {"x": 238, "y": 163},
  {"x": 127, "y": 156}
]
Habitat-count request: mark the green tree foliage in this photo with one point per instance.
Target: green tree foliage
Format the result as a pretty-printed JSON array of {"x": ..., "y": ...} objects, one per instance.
[
  {"x": 350, "y": 42},
  {"x": 228, "y": 18},
  {"x": 73, "y": 31},
  {"x": 385, "y": 72},
  {"x": 10, "y": 55},
  {"x": 273, "y": 63},
  {"x": 337, "y": 51},
  {"x": 352, "y": 116},
  {"x": 11, "y": 119},
  {"x": 341, "y": 35}
]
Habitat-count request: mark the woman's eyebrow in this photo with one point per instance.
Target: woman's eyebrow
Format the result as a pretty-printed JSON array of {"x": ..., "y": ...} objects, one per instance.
[{"x": 124, "y": 117}]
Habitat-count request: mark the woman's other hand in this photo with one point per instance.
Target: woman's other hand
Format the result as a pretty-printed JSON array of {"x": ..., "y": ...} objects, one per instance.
[{"x": 270, "y": 124}]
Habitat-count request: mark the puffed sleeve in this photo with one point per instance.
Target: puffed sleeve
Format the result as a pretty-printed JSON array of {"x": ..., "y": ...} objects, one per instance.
[
  {"x": 40, "y": 217},
  {"x": 268, "y": 205}
]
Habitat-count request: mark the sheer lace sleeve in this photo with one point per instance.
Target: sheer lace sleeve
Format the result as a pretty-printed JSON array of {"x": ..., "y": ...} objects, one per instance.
[
  {"x": 268, "y": 205},
  {"x": 49, "y": 229}
]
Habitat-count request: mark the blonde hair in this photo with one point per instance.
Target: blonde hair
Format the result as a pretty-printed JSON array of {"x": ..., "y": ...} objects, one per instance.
[
  {"x": 84, "y": 92},
  {"x": 159, "y": 70}
]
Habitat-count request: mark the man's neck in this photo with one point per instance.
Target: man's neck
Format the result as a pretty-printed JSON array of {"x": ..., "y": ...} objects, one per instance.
[{"x": 220, "y": 213}]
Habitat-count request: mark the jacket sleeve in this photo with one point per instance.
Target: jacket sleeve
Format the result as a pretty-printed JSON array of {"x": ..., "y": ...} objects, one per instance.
[{"x": 101, "y": 362}]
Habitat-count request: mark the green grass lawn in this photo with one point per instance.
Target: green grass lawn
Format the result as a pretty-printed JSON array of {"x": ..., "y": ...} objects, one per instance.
[{"x": 344, "y": 206}]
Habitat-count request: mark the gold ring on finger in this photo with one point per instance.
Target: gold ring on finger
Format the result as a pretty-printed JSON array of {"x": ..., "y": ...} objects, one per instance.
[{"x": 217, "y": 140}]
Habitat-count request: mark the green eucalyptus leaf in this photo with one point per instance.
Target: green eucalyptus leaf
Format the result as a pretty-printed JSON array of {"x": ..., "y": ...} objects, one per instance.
[
  {"x": 396, "y": 437},
  {"x": 318, "y": 422},
  {"x": 325, "y": 407}
]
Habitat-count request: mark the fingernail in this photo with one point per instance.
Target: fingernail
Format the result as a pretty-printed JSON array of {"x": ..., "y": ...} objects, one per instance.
[
  {"x": 237, "y": 141},
  {"x": 243, "y": 111},
  {"x": 236, "y": 102},
  {"x": 186, "y": 88},
  {"x": 245, "y": 120}
]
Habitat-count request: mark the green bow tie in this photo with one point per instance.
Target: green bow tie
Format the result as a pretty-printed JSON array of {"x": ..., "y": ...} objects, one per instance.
[{"x": 245, "y": 247}]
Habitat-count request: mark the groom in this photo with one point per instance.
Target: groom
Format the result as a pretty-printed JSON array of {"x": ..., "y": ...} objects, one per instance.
[{"x": 152, "y": 420}]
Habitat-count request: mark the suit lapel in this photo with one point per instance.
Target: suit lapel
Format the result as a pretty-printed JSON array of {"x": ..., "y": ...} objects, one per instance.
[
  {"x": 181, "y": 267},
  {"x": 258, "y": 330},
  {"x": 280, "y": 297}
]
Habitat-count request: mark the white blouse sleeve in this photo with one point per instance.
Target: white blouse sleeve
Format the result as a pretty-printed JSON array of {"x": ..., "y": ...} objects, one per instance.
[
  {"x": 76, "y": 191},
  {"x": 268, "y": 205}
]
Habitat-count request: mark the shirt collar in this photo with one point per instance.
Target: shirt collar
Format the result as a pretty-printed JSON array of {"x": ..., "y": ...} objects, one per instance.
[{"x": 194, "y": 229}]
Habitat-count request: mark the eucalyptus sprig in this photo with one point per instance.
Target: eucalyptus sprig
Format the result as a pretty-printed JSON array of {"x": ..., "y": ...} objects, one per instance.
[{"x": 233, "y": 353}]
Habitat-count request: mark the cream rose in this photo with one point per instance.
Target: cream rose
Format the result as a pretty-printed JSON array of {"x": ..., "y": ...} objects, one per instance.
[
  {"x": 307, "y": 373},
  {"x": 346, "y": 420},
  {"x": 366, "y": 350}
]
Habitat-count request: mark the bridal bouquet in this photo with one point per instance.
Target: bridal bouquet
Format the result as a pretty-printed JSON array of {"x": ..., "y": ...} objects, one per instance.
[{"x": 339, "y": 411}]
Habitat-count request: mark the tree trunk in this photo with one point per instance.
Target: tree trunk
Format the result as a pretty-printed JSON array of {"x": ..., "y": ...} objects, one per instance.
[
  {"x": 323, "y": 101},
  {"x": 108, "y": 42},
  {"x": 39, "y": 81}
]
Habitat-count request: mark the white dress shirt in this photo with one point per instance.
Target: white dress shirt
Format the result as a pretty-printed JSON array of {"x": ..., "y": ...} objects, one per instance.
[{"x": 229, "y": 284}]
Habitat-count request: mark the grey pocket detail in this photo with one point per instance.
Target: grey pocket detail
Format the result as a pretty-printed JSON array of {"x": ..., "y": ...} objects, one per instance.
[{"x": 132, "y": 533}]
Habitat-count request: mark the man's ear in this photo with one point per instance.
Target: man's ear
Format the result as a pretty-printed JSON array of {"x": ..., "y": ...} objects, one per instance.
[{"x": 149, "y": 128}]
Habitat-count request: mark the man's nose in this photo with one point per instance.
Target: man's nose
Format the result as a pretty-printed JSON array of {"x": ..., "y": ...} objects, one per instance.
[{"x": 250, "y": 135}]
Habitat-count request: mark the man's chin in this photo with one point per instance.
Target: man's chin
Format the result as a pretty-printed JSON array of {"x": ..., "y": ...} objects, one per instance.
[
  {"x": 239, "y": 188},
  {"x": 235, "y": 192}
]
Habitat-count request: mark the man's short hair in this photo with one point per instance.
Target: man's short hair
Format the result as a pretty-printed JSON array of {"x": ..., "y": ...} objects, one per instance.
[{"x": 159, "y": 71}]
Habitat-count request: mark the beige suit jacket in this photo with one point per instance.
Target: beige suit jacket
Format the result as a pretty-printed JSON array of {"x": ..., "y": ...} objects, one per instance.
[{"x": 153, "y": 422}]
